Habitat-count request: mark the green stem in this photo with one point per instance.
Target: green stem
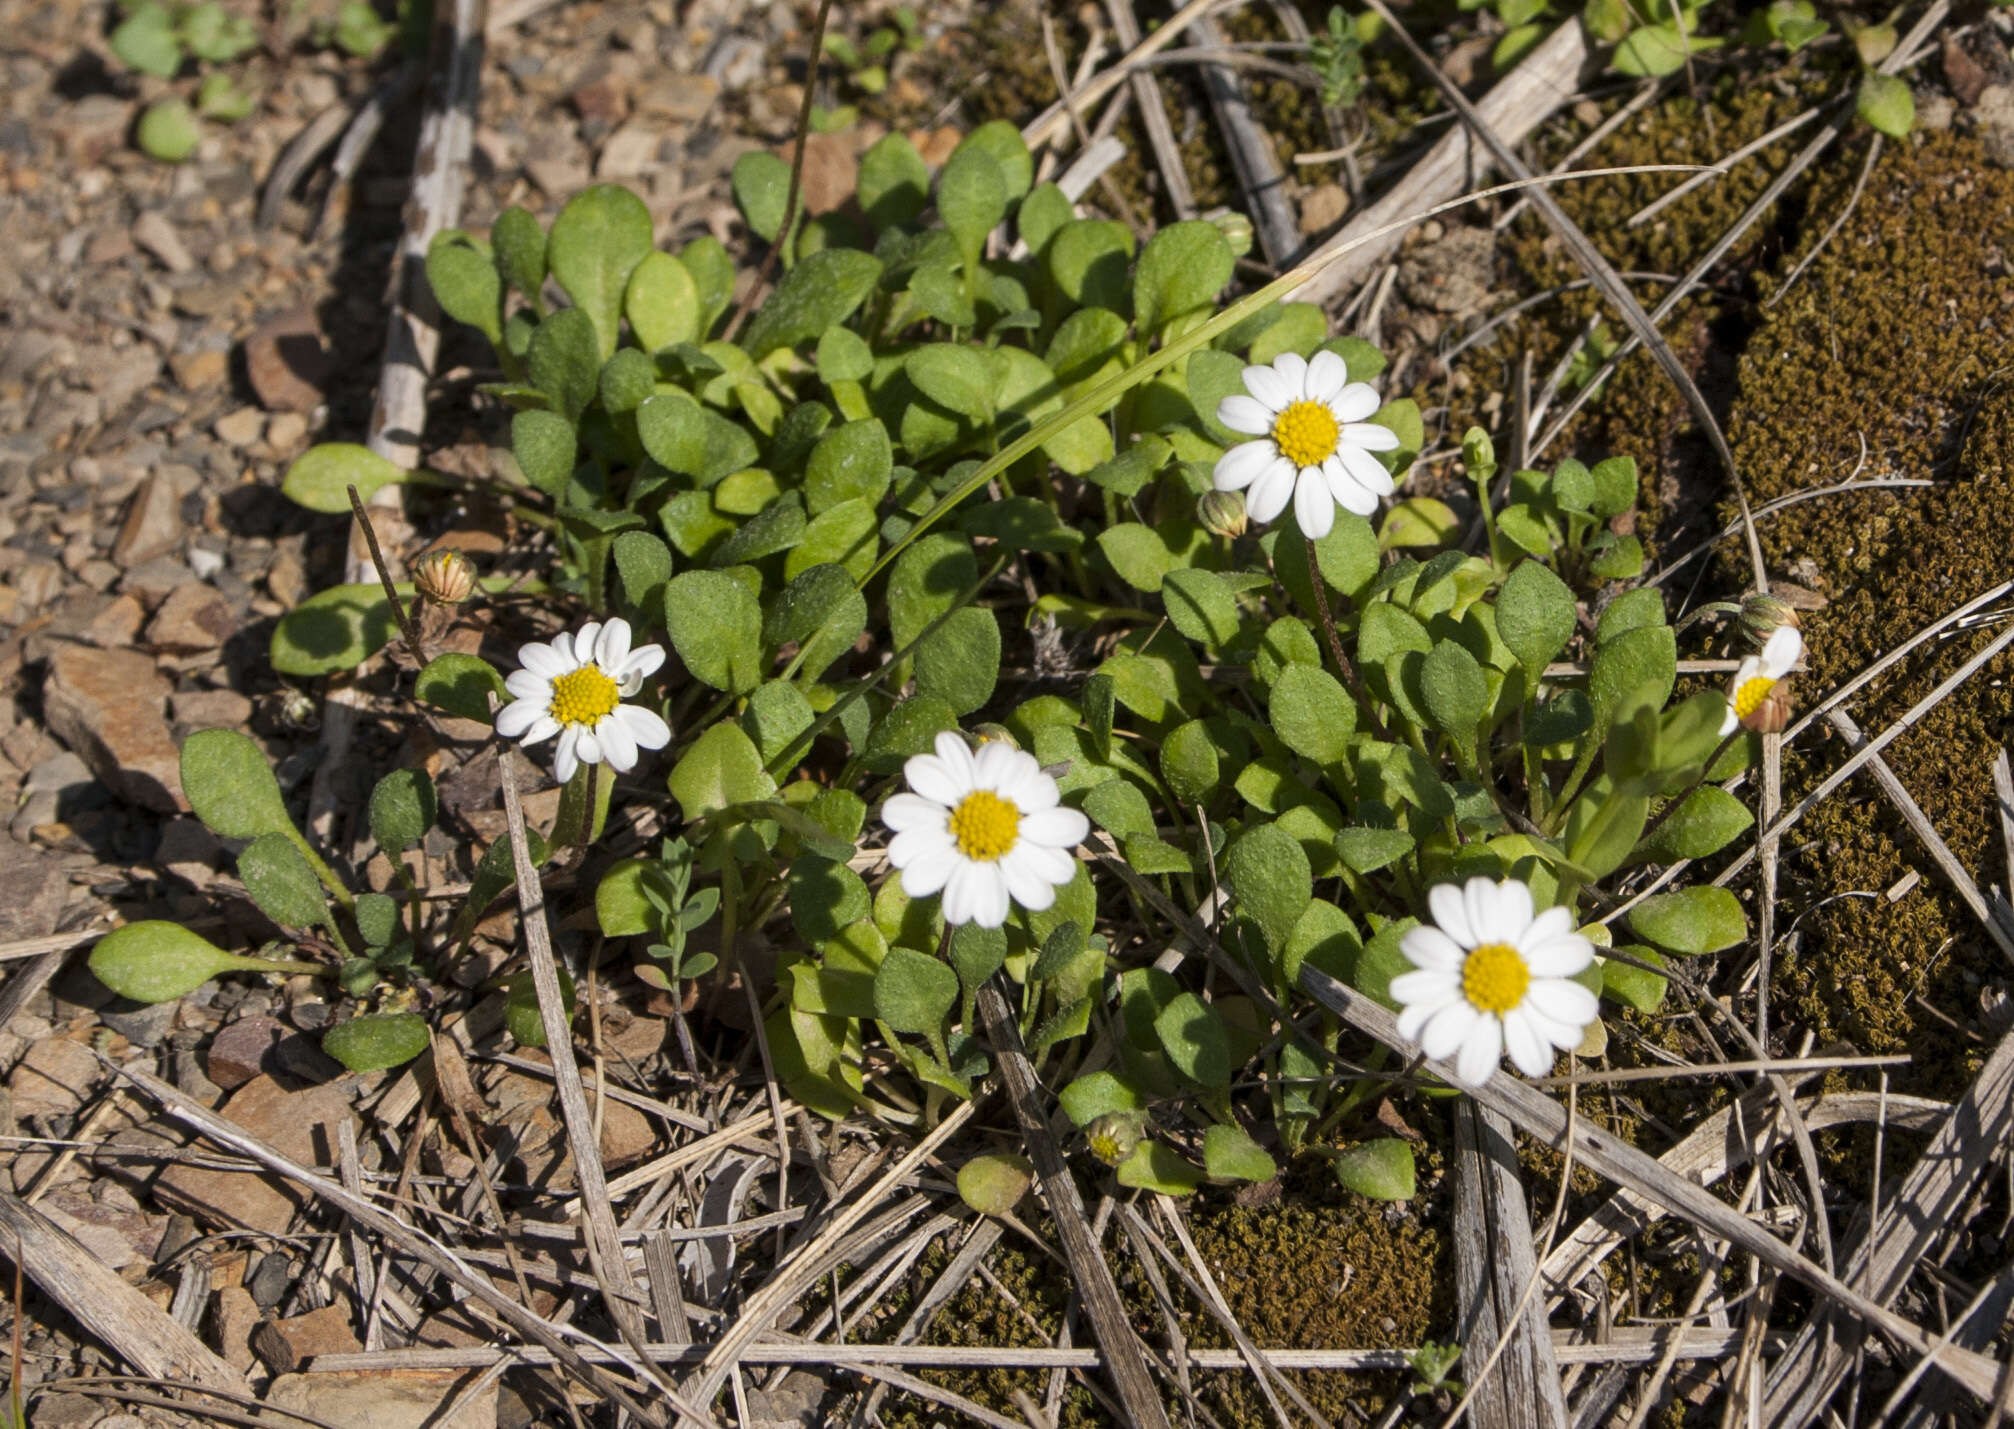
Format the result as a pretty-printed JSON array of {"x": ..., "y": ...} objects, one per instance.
[
  {"x": 334, "y": 884},
  {"x": 1349, "y": 672}
]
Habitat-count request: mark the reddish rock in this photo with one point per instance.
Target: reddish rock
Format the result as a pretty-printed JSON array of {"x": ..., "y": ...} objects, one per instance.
[
  {"x": 299, "y": 1125},
  {"x": 193, "y": 617},
  {"x": 153, "y": 525},
  {"x": 288, "y": 363},
  {"x": 106, "y": 705},
  {"x": 284, "y": 1345},
  {"x": 243, "y": 1049}
]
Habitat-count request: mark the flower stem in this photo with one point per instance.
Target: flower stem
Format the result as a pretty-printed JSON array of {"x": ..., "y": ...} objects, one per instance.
[
  {"x": 1349, "y": 671},
  {"x": 1671, "y": 804}
]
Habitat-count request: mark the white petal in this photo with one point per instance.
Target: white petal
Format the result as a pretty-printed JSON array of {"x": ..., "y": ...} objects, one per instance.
[
  {"x": 1370, "y": 436},
  {"x": 1350, "y": 494},
  {"x": 1314, "y": 504},
  {"x": 1356, "y": 402},
  {"x": 562, "y": 646},
  {"x": 1031, "y": 790},
  {"x": 566, "y": 758},
  {"x": 913, "y": 844},
  {"x": 1447, "y": 1030},
  {"x": 994, "y": 904},
  {"x": 645, "y": 727},
  {"x": 1415, "y": 1013},
  {"x": 618, "y": 745},
  {"x": 1057, "y": 828},
  {"x": 611, "y": 650},
  {"x": 1271, "y": 492},
  {"x": 1425, "y": 990},
  {"x": 957, "y": 756},
  {"x": 1025, "y": 885},
  {"x": 928, "y": 776},
  {"x": 642, "y": 661},
  {"x": 912, "y": 811},
  {"x": 1552, "y": 923},
  {"x": 1729, "y": 721},
  {"x": 1293, "y": 367},
  {"x": 1367, "y": 470},
  {"x": 1428, "y": 947},
  {"x": 1480, "y": 1052},
  {"x": 1239, "y": 467},
  {"x": 1479, "y": 897},
  {"x": 929, "y": 872},
  {"x": 1748, "y": 669},
  {"x": 1245, "y": 414},
  {"x": 588, "y": 747},
  {"x": 542, "y": 659},
  {"x": 1328, "y": 374},
  {"x": 1269, "y": 387},
  {"x": 544, "y": 727},
  {"x": 1054, "y": 864},
  {"x": 529, "y": 685},
  {"x": 1559, "y": 957},
  {"x": 1529, "y": 1051},
  {"x": 1513, "y": 909},
  {"x": 1782, "y": 652},
  {"x": 584, "y": 642},
  {"x": 1563, "y": 1000},
  {"x": 994, "y": 764},
  {"x": 518, "y": 716},
  {"x": 1451, "y": 914},
  {"x": 975, "y": 893},
  {"x": 1562, "y": 1035}
]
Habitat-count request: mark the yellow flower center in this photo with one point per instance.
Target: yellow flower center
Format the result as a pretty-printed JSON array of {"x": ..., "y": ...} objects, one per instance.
[
  {"x": 1494, "y": 978},
  {"x": 1306, "y": 433},
  {"x": 1748, "y": 699},
  {"x": 985, "y": 826},
  {"x": 585, "y": 696}
]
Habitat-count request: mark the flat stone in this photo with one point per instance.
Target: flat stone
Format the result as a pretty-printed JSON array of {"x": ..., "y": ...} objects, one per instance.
[
  {"x": 240, "y": 428},
  {"x": 52, "y": 1079},
  {"x": 153, "y": 525},
  {"x": 117, "y": 625},
  {"x": 155, "y": 580},
  {"x": 1322, "y": 208},
  {"x": 284, "y": 1345},
  {"x": 210, "y": 709},
  {"x": 233, "y": 1316},
  {"x": 34, "y": 887},
  {"x": 386, "y": 1399},
  {"x": 144, "y": 1024},
  {"x": 630, "y": 151},
  {"x": 106, "y": 705},
  {"x": 682, "y": 98},
  {"x": 112, "y": 1226},
  {"x": 243, "y": 1049},
  {"x": 286, "y": 431},
  {"x": 200, "y": 371},
  {"x": 193, "y": 617},
  {"x": 288, "y": 363},
  {"x": 153, "y": 232},
  {"x": 299, "y": 1125}
]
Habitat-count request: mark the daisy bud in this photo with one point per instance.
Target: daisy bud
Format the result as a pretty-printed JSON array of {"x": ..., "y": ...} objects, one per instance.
[
  {"x": 1756, "y": 696},
  {"x": 1113, "y": 1136},
  {"x": 1763, "y": 615},
  {"x": 445, "y": 578},
  {"x": 1222, "y": 513},
  {"x": 1236, "y": 228},
  {"x": 988, "y": 733},
  {"x": 1773, "y": 713}
]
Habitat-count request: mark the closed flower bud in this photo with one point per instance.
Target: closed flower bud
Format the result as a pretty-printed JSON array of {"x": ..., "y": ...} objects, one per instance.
[
  {"x": 1113, "y": 1136},
  {"x": 987, "y": 733},
  {"x": 1773, "y": 713},
  {"x": 445, "y": 578},
  {"x": 1236, "y": 228},
  {"x": 1222, "y": 513},
  {"x": 1763, "y": 615}
]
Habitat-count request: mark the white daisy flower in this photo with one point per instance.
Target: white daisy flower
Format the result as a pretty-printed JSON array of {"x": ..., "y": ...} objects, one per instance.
[
  {"x": 1492, "y": 977},
  {"x": 982, "y": 828},
  {"x": 574, "y": 688},
  {"x": 1314, "y": 444},
  {"x": 1756, "y": 679}
]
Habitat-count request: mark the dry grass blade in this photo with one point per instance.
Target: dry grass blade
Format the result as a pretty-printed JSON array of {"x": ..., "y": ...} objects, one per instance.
[
  {"x": 1494, "y": 1261},
  {"x": 1091, "y": 1276},
  {"x": 1154, "y": 116},
  {"x": 408, "y": 1239},
  {"x": 1539, "y": 1116},
  {"x": 131, "y": 1325},
  {"x": 1054, "y": 122},
  {"x": 1253, "y": 157}
]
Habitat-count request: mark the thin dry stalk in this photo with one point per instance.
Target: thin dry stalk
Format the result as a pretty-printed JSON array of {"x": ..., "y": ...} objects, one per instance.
[
  {"x": 1253, "y": 157},
  {"x": 1054, "y": 122},
  {"x": 1154, "y": 116}
]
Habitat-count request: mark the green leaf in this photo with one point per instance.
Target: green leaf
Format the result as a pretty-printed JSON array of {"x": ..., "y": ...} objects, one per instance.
[
  {"x": 1535, "y": 615},
  {"x": 977, "y": 953},
  {"x": 662, "y": 303},
  {"x": 642, "y": 565},
  {"x": 403, "y": 807},
  {"x": 820, "y": 612},
  {"x": 596, "y": 243},
  {"x": 1707, "y": 822},
  {"x": 377, "y": 918},
  {"x": 1099, "y": 1094},
  {"x": 563, "y": 361},
  {"x": 1638, "y": 666},
  {"x": 1045, "y": 209},
  {"x": 321, "y": 476},
  {"x": 1691, "y": 920},
  {"x": 621, "y": 907},
  {"x": 716, "y": 627},
  {"x": 519, "y": 245},
  {"x": 157, "y": 961},
  {"x": 1181, "y": 270},
  {"x": 219, "y": 97},
  {"x": 1885, "y": 102},
  {"x": 960, "y": 663},
  {"x": 819, "y": 292},
  {"x": 1380, "y": 1169},
  {"x": 853, "y": 462},
  {"x": 844, "y": 356},
  {"x": 280, "y": 881},
  {"x": 466, "y": 283},
  {"x": 1455, "y": 690},
  {"x": 1158, "y": 1168},
  {"x": 231, "y": 787},
  {"x": 145, "y": 39},
  {"x": 894, "y": 182},
  {"x": 1632, "y": 986},
  {"x": 914, "y": 992},
  {"x": 376, "y": 1041},
  {"x": 628, "y": 380},
  {"x": 825, "y": 897},
  {"x": 721, "y": 769},
  {"x": 1143, "y": 555},
  {"x": 1189, "y": 764},
  {"x": 1620, "y": 560},
  {"x": 1230, "y": 1154},
  {"x": 1311, "y": 713},
  {"x": 1088, "y": 260},
  {"x": 461, "y": 685},
  {"x": 928, "y": 578},
  {"x": 1201, "y": 606},
  {"x": 1268, "y": 870},
  {"x": 168, "y": 131},
  {"x": 521, "y": 1010},
  {"x": 1192, "y": 1033},
  {"x": 761, "y": 185},
  {"x": 906, "y": 730},
  {"x": 1652, "y": 51},
  {"x": 971, "y": 198},
  {"x": 1000, "y": 140},
  {"x": 1366, "y": 850},
  {"x": 993, "y": 1184}
]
